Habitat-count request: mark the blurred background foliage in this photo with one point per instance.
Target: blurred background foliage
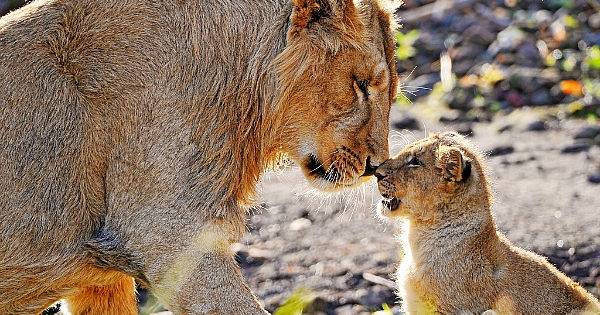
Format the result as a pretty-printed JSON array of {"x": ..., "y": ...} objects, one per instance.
[{"x": 481, "y": 57}]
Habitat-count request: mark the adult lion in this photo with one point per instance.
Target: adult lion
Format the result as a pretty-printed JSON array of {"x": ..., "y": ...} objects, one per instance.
[{"x": 133, "y": 134}]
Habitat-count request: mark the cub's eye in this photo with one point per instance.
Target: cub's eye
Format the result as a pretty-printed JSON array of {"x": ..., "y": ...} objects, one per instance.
[{"x": 414, "y": 162}]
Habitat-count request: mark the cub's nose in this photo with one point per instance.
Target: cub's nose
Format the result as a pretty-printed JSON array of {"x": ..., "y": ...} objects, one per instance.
[
  {"x": 381, "y": 172},
  {"x": 380, "y": 175}
]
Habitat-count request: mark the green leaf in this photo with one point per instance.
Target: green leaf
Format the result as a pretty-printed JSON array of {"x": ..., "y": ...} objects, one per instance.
[
  {"x": 593, "y": 57},
  {"x": 296, "y": 303}
]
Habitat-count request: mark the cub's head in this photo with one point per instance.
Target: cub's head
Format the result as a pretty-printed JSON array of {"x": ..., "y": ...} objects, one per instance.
[
  {"x": 430, "y": 174},
  {"x": 338, "y": 79}
]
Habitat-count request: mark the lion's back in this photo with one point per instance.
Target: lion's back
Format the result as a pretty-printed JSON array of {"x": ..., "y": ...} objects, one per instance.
[{"x": 59, "y": 65}]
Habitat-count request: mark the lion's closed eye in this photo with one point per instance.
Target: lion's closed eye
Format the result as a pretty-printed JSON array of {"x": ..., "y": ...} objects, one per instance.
[{"x": 361, "y": 87}]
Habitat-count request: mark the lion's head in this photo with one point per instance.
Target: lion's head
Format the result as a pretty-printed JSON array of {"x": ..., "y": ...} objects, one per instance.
[{"x": 338, "y": 79}]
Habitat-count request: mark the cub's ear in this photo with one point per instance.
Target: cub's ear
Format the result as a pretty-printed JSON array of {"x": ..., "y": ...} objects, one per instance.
[
  {"x": 454, "y": 165},
  {"x": 308, "y": 12}
]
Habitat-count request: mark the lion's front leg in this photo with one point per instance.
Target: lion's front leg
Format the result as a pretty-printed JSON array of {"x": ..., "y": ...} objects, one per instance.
[
  {"x": 205, "y": 278},
  {"x": 215, "y": 286}
]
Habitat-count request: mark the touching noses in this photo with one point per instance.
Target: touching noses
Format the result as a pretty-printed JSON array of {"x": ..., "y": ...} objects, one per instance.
[
  {"x": 374, "y": 170},
  {"x": 380, "y": 175}
]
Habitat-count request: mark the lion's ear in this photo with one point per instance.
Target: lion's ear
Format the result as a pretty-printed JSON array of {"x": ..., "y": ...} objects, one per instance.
[
  {"x": 454, "y": 165},
  {"x": 307, "y": 12}
]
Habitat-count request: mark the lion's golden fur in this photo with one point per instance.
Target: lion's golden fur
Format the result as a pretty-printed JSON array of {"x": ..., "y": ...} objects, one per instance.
[
  {"x": 133, "y": 134},
  {"x": 456, "y": 262}
]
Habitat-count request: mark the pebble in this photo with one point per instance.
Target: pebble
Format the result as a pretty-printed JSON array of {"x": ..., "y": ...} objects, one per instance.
[
  {"x": 406, "y": 123},
  {"x": 501, "y": 150},
  {"x": 594, "y": 174},
  {"x": 594, "y": 21},
  {"x": 300, "y": 224},
  {"x": 537, "y": 125},
  {"x": 541, "y": 97},
  {"x": 588, "y": 133},
  {"x": 479, "y": 35},
  {"x": 576, "y": 148}
]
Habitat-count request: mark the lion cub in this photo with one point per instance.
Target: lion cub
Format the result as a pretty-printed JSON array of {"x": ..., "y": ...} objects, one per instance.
[{"x": 455, "y": 261}]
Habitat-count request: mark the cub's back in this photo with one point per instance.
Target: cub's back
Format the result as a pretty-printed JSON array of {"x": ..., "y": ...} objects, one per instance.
[{"x": 536, "y": 287}]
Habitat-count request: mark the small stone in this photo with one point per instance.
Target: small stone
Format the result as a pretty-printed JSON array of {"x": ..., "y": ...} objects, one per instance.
[
  {"x": 528, "y": 54},
  {"x": 588, "y": 133},
  {"x": 594, "y": 21},
  {"x": 594, "y": 173},
  {"x": 501, "y": 150},
  {"x": 537, "y": 125},
  {"x": 450, "y": 116},
  {"x": 508, "y": 39},
  {"x": 300, "y": 224},
  {"x": 406, "y": 123},
  {"x": 576, "y": 148},
  {"x": 515, "y": 99},
  {"x": 541, "y": 97},
  {"x": 479, "y": 35},
  {"x": 465, "y": 129},
  {"x": 467, "y": 52}
]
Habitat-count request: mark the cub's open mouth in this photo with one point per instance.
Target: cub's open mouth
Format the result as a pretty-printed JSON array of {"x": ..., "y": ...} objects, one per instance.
[{"x": 391, "y": 203}]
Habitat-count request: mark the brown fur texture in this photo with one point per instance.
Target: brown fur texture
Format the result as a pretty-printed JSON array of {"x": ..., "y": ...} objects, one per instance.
[
  {"x": 133, "y": 134},
  {"x": 455, "y": 260}
]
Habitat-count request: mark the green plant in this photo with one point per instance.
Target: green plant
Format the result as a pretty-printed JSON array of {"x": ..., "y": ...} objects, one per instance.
[
  {"x": 592, "y": 58},
  {"x": 150, "y": 306},
  {"x": 296, "y": 303},
  {"x": 405, "y": 42},
  {"x": 385, "y": 310}
]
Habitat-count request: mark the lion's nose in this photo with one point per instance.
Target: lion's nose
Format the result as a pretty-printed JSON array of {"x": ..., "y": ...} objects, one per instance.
[{"x": 369, "y": 168}]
